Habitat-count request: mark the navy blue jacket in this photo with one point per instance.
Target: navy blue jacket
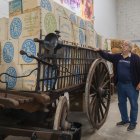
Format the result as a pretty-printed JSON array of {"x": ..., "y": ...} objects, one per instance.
[{"x": 134, "y": 65}]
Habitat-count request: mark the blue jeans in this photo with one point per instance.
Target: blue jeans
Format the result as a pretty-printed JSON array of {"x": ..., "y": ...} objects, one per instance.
[{"x": 125, "y": 91}]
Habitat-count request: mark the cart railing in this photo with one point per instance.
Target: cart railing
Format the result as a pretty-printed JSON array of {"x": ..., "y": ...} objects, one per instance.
[{"x": 69, "y": 67}]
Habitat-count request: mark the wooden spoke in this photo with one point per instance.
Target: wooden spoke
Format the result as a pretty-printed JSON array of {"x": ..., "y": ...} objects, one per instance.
[
  {"x": 97, "y": 93},
  {"x": 103, "y": 78},
  {"x": 106, "y": 83}
]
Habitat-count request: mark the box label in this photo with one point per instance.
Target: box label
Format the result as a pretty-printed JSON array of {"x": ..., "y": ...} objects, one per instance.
[
  {"x": 30, "y": 48},
  {"x": 46, "y": 5},
  {"x": 15, "y": 28},
  {"x": 10, "y": 80},
  {"x": 8, "y": 52}
]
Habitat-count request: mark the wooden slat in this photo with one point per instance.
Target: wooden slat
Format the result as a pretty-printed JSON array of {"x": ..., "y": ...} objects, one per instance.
[
  {"x": 41, "y": 98},
  {"x": 21, "y": 99},
  {"x": 8, "y": 102}
]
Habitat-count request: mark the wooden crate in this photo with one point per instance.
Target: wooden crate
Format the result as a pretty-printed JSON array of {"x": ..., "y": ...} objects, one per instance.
[
  {"x": 10, "y": 51},
  {"x": 15, "y": 8}
]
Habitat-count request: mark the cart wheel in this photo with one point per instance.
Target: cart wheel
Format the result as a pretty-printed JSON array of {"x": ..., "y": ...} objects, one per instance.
[
  {"x": 60, "y": 119},
  {"x": 97, "y": 93},
  {"x": 34, "y": 136},
  {"x": 2, "y": 137}
]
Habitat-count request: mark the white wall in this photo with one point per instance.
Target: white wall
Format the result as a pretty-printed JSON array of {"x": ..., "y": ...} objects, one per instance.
[
  {"x": 128, "y": 14},
  {"x": 105, "y": 18},
  {"x": 4, "y": 9}
]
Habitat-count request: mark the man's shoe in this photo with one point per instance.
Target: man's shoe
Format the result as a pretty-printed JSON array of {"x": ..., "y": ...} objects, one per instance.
[
  {"x": 131, "y": 127},
  {"x": 122, "y": 123}
]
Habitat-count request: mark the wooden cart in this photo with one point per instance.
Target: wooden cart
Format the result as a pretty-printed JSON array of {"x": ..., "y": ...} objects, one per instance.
[{"x": 64, "y": 69}]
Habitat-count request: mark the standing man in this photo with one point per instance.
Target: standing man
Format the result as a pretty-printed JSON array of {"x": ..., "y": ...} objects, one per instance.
[{"x": 127, "y": 78}]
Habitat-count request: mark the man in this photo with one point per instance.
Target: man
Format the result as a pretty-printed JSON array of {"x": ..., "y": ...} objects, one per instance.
[{"x": 127, "y": 79}]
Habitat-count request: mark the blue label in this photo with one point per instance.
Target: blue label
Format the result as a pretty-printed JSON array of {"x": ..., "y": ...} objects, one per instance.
[
  {"x": 10, "y": 80},
  {"x": 46, "y": 5},
  {"x": 16, "y": 28},
  {"x": 8, "y": 52},
  {"x": 73, "y": 18},
  {"x": 50, "y": 73},
  {"x": 81, "y": 37},
  {"x": 15, "y": 5},
  {"x": 30, "y": 48},
  {"x": 82, "y": 23}
]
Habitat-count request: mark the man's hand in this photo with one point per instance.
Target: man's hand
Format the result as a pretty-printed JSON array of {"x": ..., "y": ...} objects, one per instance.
[{"x": 138, "y": 86}]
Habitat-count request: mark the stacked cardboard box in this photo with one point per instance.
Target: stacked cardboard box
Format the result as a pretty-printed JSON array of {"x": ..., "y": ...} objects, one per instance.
[
  {"x": 3, "y": 29},
  {"x": 15, "y": 8},
  {"x": 116, "y": 45},
  {"x": 136, "y": 49},
  {"x": 31, "y": 19}
]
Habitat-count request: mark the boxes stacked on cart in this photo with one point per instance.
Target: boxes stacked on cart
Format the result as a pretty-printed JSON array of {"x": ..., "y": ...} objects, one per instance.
[{"x": 29, "y": 19}]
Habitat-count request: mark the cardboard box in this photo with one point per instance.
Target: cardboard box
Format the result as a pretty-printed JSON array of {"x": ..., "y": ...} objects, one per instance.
[
  {"x": 0, "y": 53},
  {"x": 60, "y": 11},
  {"x": 66, "y": 29},
  {"x": 15, "y": 8},
  {"x": 109, "y": 44},
  {"x": 71, "y": 16},
  {"x": 49, "y": 22},
  {"x": 89, "y": 25},
  {"x": 10, "y": 51},
  {"x": 104, "y": 43},
  {"x": 75, "y": 34},
  {"x": 99, "y": 41},
  {"x": 90, "y": 38},
  {"x": 30, "y": 47},
  {"x": 25, "y": 25},
  {"x": 13, "y": 83},
  {"x": 79, "y": 36},
  {"x": 3, "y": 29},
  {"x": 82, "y": 36},
  {"x": 2, "y": 77},
  {"x": 31, "y": 23},
  {"x": 29, "y": 5},
  {"x": 81, "y": 23},
  {"x": 15, "y": 27},
  {"x": 29, "y": 83}
]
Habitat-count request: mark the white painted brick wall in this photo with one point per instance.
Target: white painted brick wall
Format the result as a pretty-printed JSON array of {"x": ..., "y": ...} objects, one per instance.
[{"x": 128, "y": 19}]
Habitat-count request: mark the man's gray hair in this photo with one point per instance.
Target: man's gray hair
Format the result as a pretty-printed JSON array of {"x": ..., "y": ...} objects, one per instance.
[{"x": 130, "y": 44}]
